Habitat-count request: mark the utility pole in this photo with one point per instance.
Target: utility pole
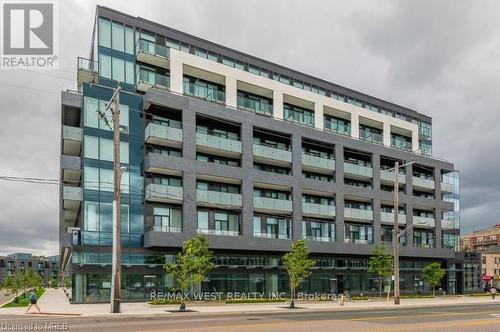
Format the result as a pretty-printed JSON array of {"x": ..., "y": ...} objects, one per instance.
[
  {"x": 114, "y": 105},
  {"x": 395, "y": 235}
]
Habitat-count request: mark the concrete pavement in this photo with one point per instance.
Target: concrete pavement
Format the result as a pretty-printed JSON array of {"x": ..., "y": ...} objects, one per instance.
[
  {"x": 55, "y": 302},
  {"x": 3, "y": 297}
]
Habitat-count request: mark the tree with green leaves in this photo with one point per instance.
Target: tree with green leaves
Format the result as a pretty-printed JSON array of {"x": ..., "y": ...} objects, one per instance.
[
  {"x": 192, "y": 264},
  {"x": 380, "y": 263},
  {"x": 14, "y": 284},
  {"x": 433, "y": 274},
  {"x": 299, "y": 265},
  {"x": 32, "y": 280}
]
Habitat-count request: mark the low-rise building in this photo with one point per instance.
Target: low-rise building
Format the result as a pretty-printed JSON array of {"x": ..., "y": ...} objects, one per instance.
[
  {"x": 46, "y": 267},
  {"x": 481, "y": 240},
  {"x": 491, "y": 267}
]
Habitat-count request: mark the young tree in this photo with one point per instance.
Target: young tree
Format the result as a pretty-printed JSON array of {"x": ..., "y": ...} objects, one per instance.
[
  {"x": 381, "y": 264},
  {"x": 298, "y": 264},
  {"x": 31, "y": 279},
  {"x": 192, "y": 265},
  {"x": 14, "y": 284},
  {"x": 433, "y": 273}
]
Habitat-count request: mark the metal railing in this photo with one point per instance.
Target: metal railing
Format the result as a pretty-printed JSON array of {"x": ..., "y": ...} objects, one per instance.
[
  {"x": 217, "y": 232},
  {"x": 255, "y": 106},
  {"x": 150, "y": 77},
  {"x": 204, "y": 92},
  {"x": 147, "y": 46},
  {"x": 87, "y": 64}
]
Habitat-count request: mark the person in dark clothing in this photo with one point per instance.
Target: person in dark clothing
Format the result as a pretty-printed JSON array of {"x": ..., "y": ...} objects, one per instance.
[{"x": 33, "y": 301}]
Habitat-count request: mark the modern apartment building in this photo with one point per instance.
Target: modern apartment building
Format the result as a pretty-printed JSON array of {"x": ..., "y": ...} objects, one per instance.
[
  {"x": 253, "y": 155},
  {"x": 481, "y": 240},
  {"x": 46, "y": 267}
]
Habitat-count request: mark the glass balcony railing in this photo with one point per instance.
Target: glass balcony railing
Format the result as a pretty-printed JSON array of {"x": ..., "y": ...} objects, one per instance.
[
  {"x": 218, "y": 143},
  {"x": 269, "y": 152},
  {"x": 318, "y": 162},
  {"x": 390, "y": 176},
  {"x": 357, "y": 169},
  {"x": 423, "y": 182},
  {"x": 318, "y": 209},
  {"x": 388, "y": 217},
  {"x": 424, "y": 221},
  {"x": 370, "y": 137},
  {"x": 358, "y": 241},
  {"x": 161, "y": 134},
  {"x": 165, "y": 229},
  {"x": 353, "y": 213},
  {"x": 447, "y": 187},
  {"x": 163, "y": 193},
  {"x": 256, "y": 106},
  {"x": 151, "y": 78},
  {"x": 204, "y": 92},
  {"x": 152, "y": 48},
  {"x": 87, "y": 65},
  {"x": 218, "y": 198},
  {"x": 273, "y": 204},
  {"x": 271, "y": 235},
  {"x": 319, "y": 238},
  {"x": 105, "y": 238},
  {"x": 222, "y": 232},
  {"x": 448, "y": 224},
  {"x": 401, "y": 144}
]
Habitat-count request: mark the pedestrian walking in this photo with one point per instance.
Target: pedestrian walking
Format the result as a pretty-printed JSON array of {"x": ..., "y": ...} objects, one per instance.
[
  {"x": 33, "y": 301},
  {"x": 493, "y": 292}
]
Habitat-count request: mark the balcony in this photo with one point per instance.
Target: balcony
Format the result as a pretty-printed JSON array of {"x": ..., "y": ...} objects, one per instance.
[
  {"x": 315, "y": 163},
  {"x": 218, "y": 145},
  {"x": 271, "y": 236},
  {"x": 207, "y": 197},
  {"x": 204, "y": 92},
  {"x": 358, "y": 214},
  {"x": 72, "y": 140},
  {"x": 389, "y": 177},
  {"x": 446, "y": 187},
  {"x": 358, "y": 241},
  {"x": 358, "y": 170},
  {"x": 448, "y": 224},
  {"x": 318, "y": 210},
  {"x": 272, "y": 204},
  {"x": 256, "y": 106},
  {"x": 268, "y": 153},
  {"x": 163, "y": 193},
  {"x": 147, "y": 79},
  {"x": 423, "y": 183},
  {"x": 319, "y": 238},
  {"x": 152, "y": 53},
  {"x": 72, "y": 198},
  {"x": 424, "y": 221},
  {"x": 163, "y": 135},
  {"x": 165, "y": 229},
  {"x": 388, "y": 217},
  {"x": 217, "y": 232},
  {"x": 87, "y": 71}
]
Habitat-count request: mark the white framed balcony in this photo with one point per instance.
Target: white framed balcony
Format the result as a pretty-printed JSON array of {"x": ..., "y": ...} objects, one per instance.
[
  {"x": 272, "y": 204},
  {"x": 316, "y": 163},
  {"x": 267, "y": 153},
  {"x": 424, "y": 221},
  {"x": 422, "y": 183},
  {"x": 72, "y": 140},
  {"x": 358, "y": 214},
  {"x": 358, "y": 170},
  {"x": 389, "y": 177},
  {"x": 163, "y": 135},
  {"x": 208, "y": 197},
  {"x": 318, "y": 210},
  {"x": 219, "y": 145},
  {"x": 163, "y": 193},
  {"x": 388, "y": 217}
]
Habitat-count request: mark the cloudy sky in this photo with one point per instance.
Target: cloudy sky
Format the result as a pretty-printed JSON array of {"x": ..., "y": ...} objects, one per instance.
[{"x": 438, "y": 57}]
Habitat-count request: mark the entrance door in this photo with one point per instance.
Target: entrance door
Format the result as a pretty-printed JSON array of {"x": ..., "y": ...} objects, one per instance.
[{"x": 333, "y": 286}]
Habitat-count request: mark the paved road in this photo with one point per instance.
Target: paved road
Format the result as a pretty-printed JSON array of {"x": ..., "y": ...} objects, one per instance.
[{"x": 484, "y": 317}]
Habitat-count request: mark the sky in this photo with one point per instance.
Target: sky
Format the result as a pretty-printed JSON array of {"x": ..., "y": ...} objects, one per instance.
[{"x": 440, "y": 58}]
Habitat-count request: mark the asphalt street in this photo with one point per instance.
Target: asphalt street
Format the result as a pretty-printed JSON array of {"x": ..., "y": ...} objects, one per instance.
[{"x": 484, "y": 317}]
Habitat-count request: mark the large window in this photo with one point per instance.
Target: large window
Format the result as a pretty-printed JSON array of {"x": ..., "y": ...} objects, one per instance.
[
  {"x": 218, "y": 222},
  {"x": 98, "y": 217},
  {"x": 116, "y": 69},
  {"x": 102, "y": 149},
  {"x": 298, "y": 115},
  {"x": 103, "y": 179},
  {"x": 104, "y": 33},
  {"x": 91, "y": 117},
  {"x": 338, "y": 125},
  {"x": 114, "y": 35},
  {"x": 271, "y": 227},
  {"x": 167, "y": 219},
  {"x": 361, "y": 233},
  {"x": 423, "y": 238}
]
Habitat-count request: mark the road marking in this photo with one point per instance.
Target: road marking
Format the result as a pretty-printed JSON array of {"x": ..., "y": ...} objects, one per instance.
[{"x": 434, "y": 326}]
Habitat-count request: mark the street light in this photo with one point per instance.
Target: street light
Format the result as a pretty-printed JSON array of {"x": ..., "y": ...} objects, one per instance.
[{"x": 396, "y": 234}]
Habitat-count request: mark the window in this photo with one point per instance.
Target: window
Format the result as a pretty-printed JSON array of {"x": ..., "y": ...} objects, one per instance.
[
  {"x": 202, "y": 219},
  {"x": 167, "y": 219},
  {"x": 102, "y": 179},
  {"x": 118, "y": 69},
  {"x": 104, "y": 33},
  {"x": 104, "y": 66},
  {"x": 298, "y": 115},
  {"x": 118, "y": 37},
  {"x": 91, "y": 117},
  {"x": 338, "y": 125},
  {"x": 102, "y": 149},
  {"x": 129, "y": 40}
]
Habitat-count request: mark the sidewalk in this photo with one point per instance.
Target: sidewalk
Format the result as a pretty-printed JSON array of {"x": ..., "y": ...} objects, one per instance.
[{"x": 54, "y": 302}]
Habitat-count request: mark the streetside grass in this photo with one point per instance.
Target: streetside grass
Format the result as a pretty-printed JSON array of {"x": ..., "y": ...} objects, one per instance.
[
  {"x": 24, "y": 301},
  {"x": 416, "y": 296},
  {"x": 238, "y": 301},
  {"x": 478, "y": 294}
]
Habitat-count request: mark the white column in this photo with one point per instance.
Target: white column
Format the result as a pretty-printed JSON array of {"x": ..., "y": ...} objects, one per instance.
[
  {"x": 415, "y": 144},
  {"x": 318, "y": 115},
  {"x": 231, "y": 91},
  {"x": 387, "y": 134},
  {"x": 355, "y": 125},
  {"x": 278, "y": 104},
  {"x": 176, "y": 83}
]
